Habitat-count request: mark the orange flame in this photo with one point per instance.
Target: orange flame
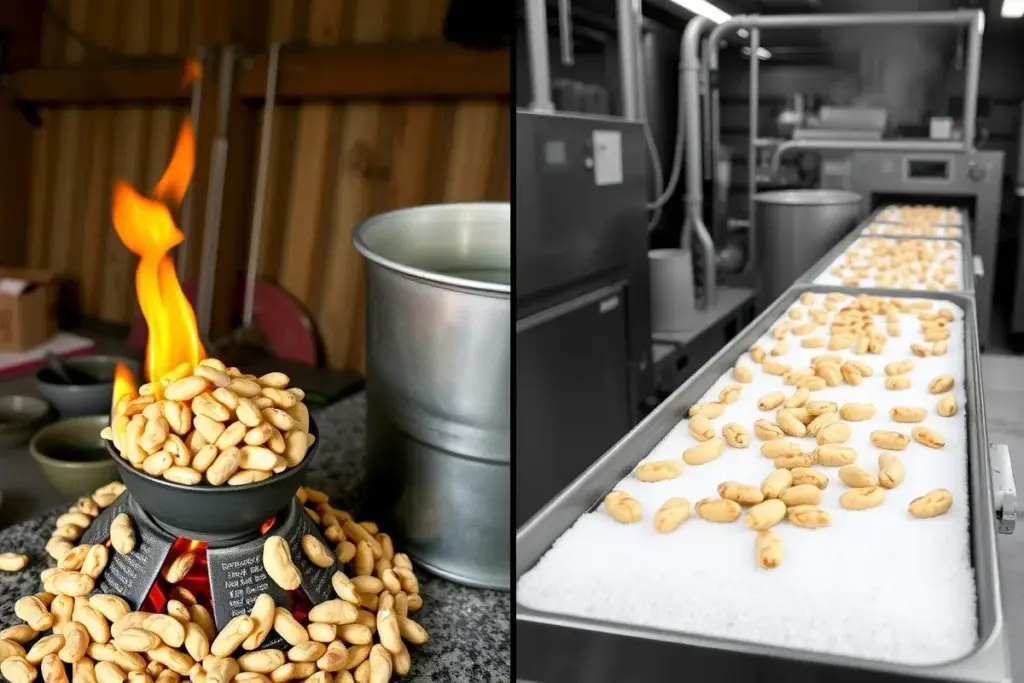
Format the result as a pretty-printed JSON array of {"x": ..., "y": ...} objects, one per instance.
[
  {"x": 193, "y": 72},
  {"x": 145, "y": 226},
  {"x": 124, "y": 385},
  {"x": 173, "y": 184}
]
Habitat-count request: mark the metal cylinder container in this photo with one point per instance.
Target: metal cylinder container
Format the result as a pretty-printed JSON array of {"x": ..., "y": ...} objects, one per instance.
[
  {"x": 795, "y": 229},
  {"x": 438, "y": 361},
  {"x": 673, "y": 304}
]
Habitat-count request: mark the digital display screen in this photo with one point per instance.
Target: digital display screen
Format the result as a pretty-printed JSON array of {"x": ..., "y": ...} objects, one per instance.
[{"x": 928, "y": 169}]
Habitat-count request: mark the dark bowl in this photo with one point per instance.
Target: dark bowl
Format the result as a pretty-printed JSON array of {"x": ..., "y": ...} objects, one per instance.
[
  {"x": 213, "y": 511},
  {"x": 83, "y": 399},
  {"x": 20, "y": 418},
  {"x": 71, "y": 455}
]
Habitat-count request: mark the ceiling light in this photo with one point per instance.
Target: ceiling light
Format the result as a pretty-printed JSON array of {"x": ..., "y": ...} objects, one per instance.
[
  {"x": 706, "y": 9},
  {"x": 1012, "y": 9},
  {"x": 762, "y": 53},
  {"x": 742, "y": 33}
]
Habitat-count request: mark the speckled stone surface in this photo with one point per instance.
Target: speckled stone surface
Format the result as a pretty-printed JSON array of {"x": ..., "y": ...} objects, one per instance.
[{"x": 470, "y": 638}]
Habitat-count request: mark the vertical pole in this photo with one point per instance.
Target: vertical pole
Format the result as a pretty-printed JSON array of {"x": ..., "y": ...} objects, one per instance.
[
  {"x": 755, "y": 96},
  {"x": 974, "y": 32},
  {"x": 627, "y": 24},
  {"x": 537, "y": 51}
]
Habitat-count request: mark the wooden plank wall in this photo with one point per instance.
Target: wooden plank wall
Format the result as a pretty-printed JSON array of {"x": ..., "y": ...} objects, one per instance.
[{"x": 332, "y": 164}]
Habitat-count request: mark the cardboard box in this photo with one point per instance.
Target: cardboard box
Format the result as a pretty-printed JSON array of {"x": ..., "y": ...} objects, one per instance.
[{"x": 28, "y": 308}]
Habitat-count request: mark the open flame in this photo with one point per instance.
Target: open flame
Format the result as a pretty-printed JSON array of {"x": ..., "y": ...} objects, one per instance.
[
  {"x": 146, "y": 227},
  {"x": 125, "y": 386}
]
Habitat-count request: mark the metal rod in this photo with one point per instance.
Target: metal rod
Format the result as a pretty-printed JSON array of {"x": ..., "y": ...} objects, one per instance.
[
  {"x": 215, "y": 195},
  {"x": 694, "y": 195},
  {"x": 565, "y": 31},
  {"x": 705, "y": 100},
  {"x": 973, "y": 73},
  {"x": 186, "y": 205},
  {"x": 954, "y": 18},
  {"x": 755, "y": 103},
  {"x": 627, "y": 13},
  {"x": 256, "y": 236},
  {"x": 923, "y": 146},
  {"x": 537, "y": 53}
]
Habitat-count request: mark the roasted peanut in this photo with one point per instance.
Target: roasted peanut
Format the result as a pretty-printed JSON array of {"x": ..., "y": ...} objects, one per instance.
[
  {"x": 718, "y": 510},
  {"x": 774, "y": 368},
  {"x": 926, "y": 436},
  {"x": 891, "y": 471},
  {"x": 622, "y": 507},
  {"x": 835, "y": 455},
  {"x": 232, "y": 636},
  {"x": 946, "y": 407},
  {"x": 776, "y": 482},
  {"x": 757, "y": 354},
  {"x": 862, "y": 498},
  {"x": 277, "y": 560},
  {"x": 744, "y": 494},
  {"x": 709, "y": 410},
  {"x": 767, "y": 430},
  {"x": 778, "y": 448},
  {"x": 771, "y": 400},
  {"x": 33, "y": 612},
  {"x": 941, "y": 384},
  {"x": 317, "y": 552},
  {"x": 704, "y": 453},
  {"x": 289, "y": 628},
  {"x": 742, "y": 373},
  {"x": 838, "y": 432},
  {"x": 660, "y": 470},
  {"x": 700, "y": 428},
  {"x": 671, "y": 515},
  {"x": 857, "y": 412},
  {"x": 789, "y": 423},
  {"x": 794, "y": 460},
  {"x": 811, "y": 383},
  {"x": 736, "y": 435},
  {"x": 808, "y": 517},
  {"x": 907, "y": 414},
  {"x": 803, "y": 475},
  {"x": 856, "y": 477},
  {"x": 730, "y": 394},
  {"x": 897, "y": 383},
  {"x": 932, "y": 504},
  {"x": 901, "y": 367},
  {"x": 889, "y": 440},
  {"x": 819, "y": 408},
  {"x": 766, "y": 514},
  {"x": 802, "y": 494},
  {"x": 798, "y": 399}
]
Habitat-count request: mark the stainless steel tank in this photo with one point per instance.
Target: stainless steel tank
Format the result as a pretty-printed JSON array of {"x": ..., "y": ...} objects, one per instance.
[
  {"x": 438, "y": 369},
  {"x": 795, "y": 229}
]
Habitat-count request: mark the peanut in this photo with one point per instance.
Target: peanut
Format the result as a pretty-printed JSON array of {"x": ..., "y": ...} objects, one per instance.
[
  {"x": 907, "y": 414},
  {"x": 183, "y": 475},
  {"x": 262, "y": 616},
  {"x": 700, "y": 428},
  {"x": 789, "y": 423},
  {"x": 232, "y": 636},
  {"x": 771, "y": 400},
  {"x": 13, "y": 562},
  {"x": 926, "y": 436},
  {"x": 208, "y": 427},
  {"x": 661, "y": 470},
  {"x": 946, "y": 407},
  {"x": 744, "y": 494},
  {"x": 671, "y": 515},
  {"x": 207, "y": 406},
  {"x": 93, "y": 621},
  {"x": 718, "y": 510},
  {"x": 704, "y": 453},
  {"x": 225, "y": 466},
  {"x": 920, "y": 350},
  {"x": 901, "y": 367},
  {"x": 622, "y": 507},
  {"x": 179, "y": 567},
  {"x": 798, "y": 399},
  {"x": 778, "y": 448},
  {"x": 781, "y": 348},
  {"x": 122, "y": 534},
  {"x": 776, "y": 482},
  {"x": 835, "y": 455},
  {"x": 243, "y": 477},
  {"x": 829, "y": 373},
  {"x": 766, "y": 514},
  {"x": 850, "y": 374},
  {"x": 137, "y": 640},
  {"x": 856, "y": 477},
  {"x": 736, "y": 435},
  {"x": 897, "y": 383},
  {"x": 862, "y": 498},
  {"x": 774, "y": 368},
  {"x": 204, "y": 458},
  {"x": 932, "y": 504},
  {"x": 257, "y": 458},
  {"x": 838, "y": 432},
  {"x": 767, "y": 430},
  {"x": 819, "y": 408},
  {"x": 793, "y": 376},
  {"x": 709, "y": 410},
  {"x": 857, "y": 412},
  {"x": 288, "y": 627},
  {"x": 309, "y": 651},
  {"x": 17, "y": 669},
  {"x": 197, "y": 643},
  {"x": 891, "y": 471},
  {"x": 335, "y": 611},
  {"x": 742, "y": 374},
  {"x": 803, "y": 475},
  {"x": 940, "y": 348},
  {"x": 811, "y": 383},
  {"x": 76, "y": 641},
  {"x": 53, "y": 669},
  {"x": 730, "y": 394},
  {"x": 316, "y": 551},
  {"x": 20, "y": 634},
  {"x": 803, "y": 494},
  {"x": 169, "y": 629},
  {"x": 757, "y": 354},
  {"x": 890, "y": 441},
  {"x": 941, "y": 384},
  {"x": 178, "y": 416},
  {"x": 95, "y": 561},
  {"x": 186, "y": 389},
  {"x": 768, "y": 549},
  {"x": 277, "y": 560},
  {"x": 261, "y": 661},
  {"x": 794, "y": 460},
  {"x": 33, "y": 612},
  {"x": 808, "y": 517}
]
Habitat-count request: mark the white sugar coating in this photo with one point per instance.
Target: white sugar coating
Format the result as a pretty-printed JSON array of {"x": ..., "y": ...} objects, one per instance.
[
  {"x": 862, "y": 248},
  {"x": 912, "y": 230},
  {"x": 876, "y": 584}
]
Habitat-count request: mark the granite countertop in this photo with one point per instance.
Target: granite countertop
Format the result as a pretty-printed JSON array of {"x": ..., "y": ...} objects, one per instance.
[{"x": 470, "y": 637}]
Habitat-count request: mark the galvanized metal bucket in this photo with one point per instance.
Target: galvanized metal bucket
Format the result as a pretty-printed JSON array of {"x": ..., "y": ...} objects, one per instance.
[{"x": 438, "y": 361}]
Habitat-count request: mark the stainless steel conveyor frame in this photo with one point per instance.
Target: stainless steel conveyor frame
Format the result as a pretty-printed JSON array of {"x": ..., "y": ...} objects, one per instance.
[
  {"x": 556, "y": 647},
  {"x": 973, "y": 20}
]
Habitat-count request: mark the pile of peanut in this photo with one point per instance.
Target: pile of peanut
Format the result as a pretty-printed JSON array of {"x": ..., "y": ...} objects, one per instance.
[
  {"x": 361, "y": 636},
  {"x": 792, "y": 490},
  {"x": 900, "y": 264},
  {"x": 920, "y": 229},
  {"x": 933, "y": 215},
  {"x": 214, "y": 423}
]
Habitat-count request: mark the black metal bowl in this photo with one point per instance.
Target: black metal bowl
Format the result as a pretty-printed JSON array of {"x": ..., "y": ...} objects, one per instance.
[{"x": 214, "y": 511}]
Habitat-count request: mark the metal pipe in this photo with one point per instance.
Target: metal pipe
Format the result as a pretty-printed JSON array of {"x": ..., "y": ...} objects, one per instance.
[
  {"x": 565, "y": 32},
  {"x": 186, "y": 205},
  {"x": 755, "y": 103},
  {"x": 973, "y": 74},
  {"x": 923, "y": 146},
  {"x": 627, "y": 11},
  {"x": 694, "y": 199},
  {"x": 537, "y": 53},
  {"x": 266, "y": 134},
  {"x": 705, "y": 101}
]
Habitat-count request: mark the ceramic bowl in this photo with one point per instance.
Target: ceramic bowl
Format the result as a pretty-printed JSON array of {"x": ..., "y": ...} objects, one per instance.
[
  {"x": 72, "y": 400},
  {"x": 72, "y": 455}
]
